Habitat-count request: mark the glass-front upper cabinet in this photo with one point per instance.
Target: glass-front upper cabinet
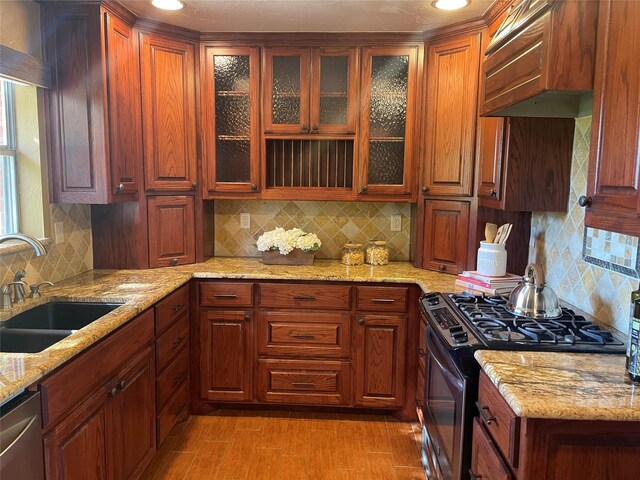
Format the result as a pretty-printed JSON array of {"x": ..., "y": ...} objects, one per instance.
[
  {"x": 389, "y": 78},
  {"x": 310, "y": 91},
  {"x": 230, "y": 136}
]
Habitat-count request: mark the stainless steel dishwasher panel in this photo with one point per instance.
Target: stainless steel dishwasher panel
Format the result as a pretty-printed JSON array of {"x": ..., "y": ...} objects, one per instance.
[{"x": 21, "y": 439}]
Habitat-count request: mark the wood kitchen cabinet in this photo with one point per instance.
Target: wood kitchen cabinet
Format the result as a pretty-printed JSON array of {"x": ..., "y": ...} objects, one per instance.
[
  {"x": 230, "y": 96},
  {"x": 93, "y": 115},
  {"x": 99, "y": 409},
  {"x": 505, "y": 446},
  {"x": 450, "y": 116},
  {"x": 226, "y": 355},
  {"x": 310, "y": 90},
  {"x": 388, "y": 121},
  {"x": 380, "y": 342},
  {"x": 171, "y": 230},
  {"x": 525, "y": 163},
  {"x": 535, "y": 64},
  {"x": 612, "y": 199},
  {"x": 446, "y": 233},
  {"x": 168, "y": 113}
]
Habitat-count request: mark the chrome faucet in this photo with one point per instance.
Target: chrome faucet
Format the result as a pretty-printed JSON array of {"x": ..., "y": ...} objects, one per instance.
[
  {"x": 18, "y": 284},
  {"x": 34, "y": 242}
]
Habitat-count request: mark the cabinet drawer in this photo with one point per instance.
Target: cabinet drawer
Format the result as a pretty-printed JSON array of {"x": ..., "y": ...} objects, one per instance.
[
  {"x": 382, "y": 299},
  {"x": 172, "y": 341},
  {"x": 291, "y": 295},
  {"x": 171, "y": 378},
  {"x": 485, "y": 459},
  {"x": 172, "y": 307},
  {"x": 303, "y": 382},
  {"x": 499, "y": 420},
  {"x": 213, "y": 294},
  {"x": 177, "y": 409},
  {"x": 64, "y": 389},
  {"x": 306, "y": 334}
]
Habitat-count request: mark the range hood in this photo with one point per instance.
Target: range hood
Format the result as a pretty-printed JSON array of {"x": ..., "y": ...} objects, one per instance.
[{"x": 540, "y": 62}]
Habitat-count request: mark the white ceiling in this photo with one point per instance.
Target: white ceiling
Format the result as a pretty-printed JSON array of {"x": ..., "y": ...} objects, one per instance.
[{"x": 308, "y": 15}]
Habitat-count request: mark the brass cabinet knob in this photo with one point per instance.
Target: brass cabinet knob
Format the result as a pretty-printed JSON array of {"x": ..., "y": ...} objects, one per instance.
[
  {"x": 363, "y": 189},
  {"x": 442, "y": 268},
  {"x": 113, "y": 392},
  {"x": 247, "y": 317},
  {"x": 174, "y": 262},
  {"x": 118, "y": 188},
  {"x": 361, "y": 321},
  {"x": 584, "y": 201},
  {"x": 254, "y": 187},
  {"x": 425, "y": 189},
  {"x": 121, "y": 384},
  {"x": 493, "y": 193},
  {"x": 314, "y": 127},
  {"x": 194, "y": 186},
  {"x": 303, "y": 127}
]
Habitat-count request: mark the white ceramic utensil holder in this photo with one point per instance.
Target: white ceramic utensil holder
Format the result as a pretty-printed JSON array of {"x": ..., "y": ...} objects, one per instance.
[{"x": 492, "y": 259}]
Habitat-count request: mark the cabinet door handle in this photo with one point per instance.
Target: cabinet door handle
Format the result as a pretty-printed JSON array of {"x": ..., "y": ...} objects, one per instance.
[
  {"x": 247, "y": 317},
  {"x": 361, "y": 321},
  {"x": 179, "y": 409},
  {"x": 314, "y": 127},
  {"x": 173, "y": 262},
  {"x": 302, "y": 336},
  {"x": 113, "y": 392},
  {"x": 178, "y": 307},
  {"x": 425, "y": 190},
  {"x": 585, "y": 201},
  {"x": 254, "y": 187},
  {"x": 178, "y": 341},
  {"x": 118, "y": 188},
  {"x": 303, "y": 384},
  {"x": 493, "y": 193},
  {"x": 194, "y": 186},
  {"x": 226, "y": 295},
  {"x": 304, "y": 297},
  {"x": 383, "y": 300},
  {"x": 364, "y": 189},
  {"x": 484, "y": 414},
  {"x": 178, "y": 378},
  {"x": 419, "y": 402},
  {"x": 421, "y": 352},
  {"x": 121, "y": 385},
  {"x": 303, "y": 127},
  {"x": 442, "y": 268}
]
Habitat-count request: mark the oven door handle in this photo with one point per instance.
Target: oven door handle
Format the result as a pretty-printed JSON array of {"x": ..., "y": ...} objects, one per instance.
[{"x": 433, "y": 352}]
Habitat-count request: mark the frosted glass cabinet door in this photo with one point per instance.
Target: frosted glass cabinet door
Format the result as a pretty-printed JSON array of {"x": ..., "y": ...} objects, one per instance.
[
  {"x": 229, "y": 120},
  {"x": 387, "y": 121},
  {"x": 286, "y": 97}
]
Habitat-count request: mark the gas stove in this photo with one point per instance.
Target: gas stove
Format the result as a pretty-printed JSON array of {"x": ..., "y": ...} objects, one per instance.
[{"x": 482, "y": 321}]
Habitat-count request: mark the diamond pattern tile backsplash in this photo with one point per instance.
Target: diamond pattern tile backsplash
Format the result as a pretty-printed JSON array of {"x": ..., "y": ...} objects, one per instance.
[
  {"x": 74, "y": 255},
  {"x": 336, "y": 223},
  {"x": 560, "y": 238}
]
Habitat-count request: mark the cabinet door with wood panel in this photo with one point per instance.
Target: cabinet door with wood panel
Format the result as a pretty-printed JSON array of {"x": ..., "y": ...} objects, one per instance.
[
  {"x": 380, "y": 342},
  {"x": 168, "y": 113},
  {"x": 230, "y": 85},
  {"x": 387, "y": 115},
  {"x": 226, "y": 355},
  {"x": 613, "y": 186},
  {"x": 171, "y": 230},
  {"x": 451, "y": 113},
  {"x": 446, "y": 230},
  {"x": 95, "y": 140}
]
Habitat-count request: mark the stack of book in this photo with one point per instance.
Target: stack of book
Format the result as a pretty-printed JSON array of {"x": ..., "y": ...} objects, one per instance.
[{"x": 478, "y": 283}]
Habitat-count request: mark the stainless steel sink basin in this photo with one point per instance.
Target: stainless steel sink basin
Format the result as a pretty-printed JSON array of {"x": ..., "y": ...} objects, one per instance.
[{"x": 36, "y": 329}]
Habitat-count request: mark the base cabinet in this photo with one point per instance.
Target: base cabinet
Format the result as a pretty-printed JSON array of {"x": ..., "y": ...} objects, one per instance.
[{"x": 445, "y": 243}]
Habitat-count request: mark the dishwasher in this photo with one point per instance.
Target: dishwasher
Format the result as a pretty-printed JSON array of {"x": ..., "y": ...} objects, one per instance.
[{"x": 21, "y": 438}]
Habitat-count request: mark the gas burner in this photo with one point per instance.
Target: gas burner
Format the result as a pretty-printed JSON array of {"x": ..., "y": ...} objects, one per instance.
[
  {"x": 495, "y": 299},
  {"x": 506, "y": 336},
  {"x": 485, "y": 322}
]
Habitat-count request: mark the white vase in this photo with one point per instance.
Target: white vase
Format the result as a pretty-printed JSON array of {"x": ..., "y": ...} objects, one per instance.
[{"x": 492, "y": 259}]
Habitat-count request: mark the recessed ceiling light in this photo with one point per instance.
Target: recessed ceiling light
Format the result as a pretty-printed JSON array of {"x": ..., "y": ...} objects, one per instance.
[
  {"x": 450, "y": 4},
  {"x": 168, "y": 4}
]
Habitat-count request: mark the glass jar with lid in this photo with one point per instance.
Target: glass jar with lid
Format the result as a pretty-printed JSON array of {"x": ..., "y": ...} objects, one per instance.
[
  {"x": 352, "y": 254},
  {"x": 377, "y": 252}
]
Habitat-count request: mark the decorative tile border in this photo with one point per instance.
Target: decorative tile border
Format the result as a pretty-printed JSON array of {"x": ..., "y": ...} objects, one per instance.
[{"x": 613, "y": 251}]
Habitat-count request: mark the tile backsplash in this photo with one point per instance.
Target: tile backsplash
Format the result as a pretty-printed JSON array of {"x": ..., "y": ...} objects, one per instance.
[
  {"x": 336, "y": 223},
  {"x": 560, "y": 239},
  {"x": 74, "y": 255}
]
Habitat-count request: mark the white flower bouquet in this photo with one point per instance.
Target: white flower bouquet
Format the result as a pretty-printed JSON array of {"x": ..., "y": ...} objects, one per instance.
[{"x": 295, "y": 243}]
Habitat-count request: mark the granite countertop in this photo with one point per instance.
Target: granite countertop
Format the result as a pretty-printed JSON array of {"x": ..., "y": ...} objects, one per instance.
[
  {"x": 563, "y": 385},
  {"x": 140, "y": 289}
]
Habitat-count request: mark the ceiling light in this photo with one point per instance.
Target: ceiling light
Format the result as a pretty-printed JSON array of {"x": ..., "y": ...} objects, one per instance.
[
  {"x": 450, "y": 4},
  {"x": 171, "y": 4}
]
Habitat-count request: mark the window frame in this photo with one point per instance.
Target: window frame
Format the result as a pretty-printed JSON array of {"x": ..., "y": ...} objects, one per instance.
[{"x": 8, "y": 159}]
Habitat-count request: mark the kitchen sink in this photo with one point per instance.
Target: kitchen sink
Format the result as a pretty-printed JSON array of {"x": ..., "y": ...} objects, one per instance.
[{"x": 36, "y": 329}]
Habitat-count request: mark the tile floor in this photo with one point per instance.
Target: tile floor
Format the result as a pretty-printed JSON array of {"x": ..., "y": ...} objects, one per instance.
[{"x": 257, "y": 445}]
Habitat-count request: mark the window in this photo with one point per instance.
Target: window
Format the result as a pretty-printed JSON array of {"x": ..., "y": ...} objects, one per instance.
[{"x": 8, "y": 191}]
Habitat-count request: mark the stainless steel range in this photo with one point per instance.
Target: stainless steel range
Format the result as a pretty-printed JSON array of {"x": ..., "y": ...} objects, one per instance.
[{"x": 459, "y": 324}]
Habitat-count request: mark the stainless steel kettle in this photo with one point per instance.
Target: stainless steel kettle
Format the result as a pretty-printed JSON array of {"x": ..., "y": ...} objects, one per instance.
[{"x": 532, "y": 298}]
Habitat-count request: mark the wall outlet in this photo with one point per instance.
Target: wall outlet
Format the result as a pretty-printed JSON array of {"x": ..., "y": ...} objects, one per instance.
[
  {"x": 396, "y": 223},
  {"x": 245, "y": 220},
  {"x": 58, "y": 232}
]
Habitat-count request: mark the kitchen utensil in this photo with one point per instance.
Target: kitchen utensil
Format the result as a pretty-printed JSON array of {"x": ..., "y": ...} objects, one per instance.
[
  {"x": 532, "y": 298},
  {"x": 499, "y": 234},
  {"x": 490, "y": 230},
  {"x": 506, "y": 233}
]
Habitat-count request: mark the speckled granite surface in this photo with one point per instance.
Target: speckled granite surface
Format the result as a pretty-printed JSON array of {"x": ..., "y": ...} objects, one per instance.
[
  {"x": 140, "y": 289},
  {"x": 563, "y": 385}
]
